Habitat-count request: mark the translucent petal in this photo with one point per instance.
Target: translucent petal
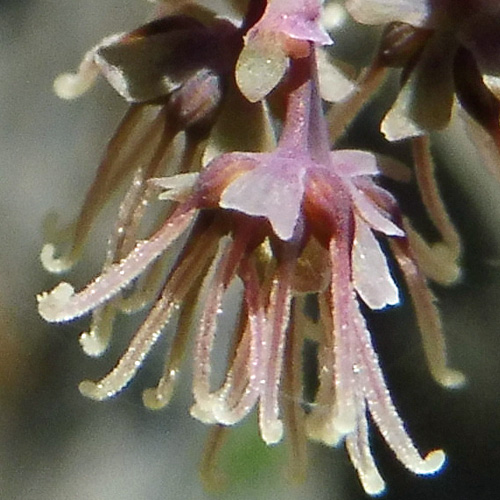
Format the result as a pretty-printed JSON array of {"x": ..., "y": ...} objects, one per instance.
[
  {"x": 397, "y": 123},
  {"x": 371, "y": 276},
  {"x": 333, "y": 84},
  {"x": 425, "y": 101},
  {"x": 273, "y": 190},
  {"x": 493, "y": 83},
  {"x": 260, "y": 67},
  {"x": 176, "y": 187},
  {"x": 351, "y": 163},
  {"x": 240, "y": 126},
  {"x": 373, "y": 215}
]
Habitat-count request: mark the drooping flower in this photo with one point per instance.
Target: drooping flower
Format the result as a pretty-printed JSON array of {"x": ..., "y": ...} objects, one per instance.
[
  {"x": 447, "y": 47},
  {"x": 298, "y": 219}
]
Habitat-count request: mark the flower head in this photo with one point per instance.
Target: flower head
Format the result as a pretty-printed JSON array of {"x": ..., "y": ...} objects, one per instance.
[{"x": 297, "y": 219}]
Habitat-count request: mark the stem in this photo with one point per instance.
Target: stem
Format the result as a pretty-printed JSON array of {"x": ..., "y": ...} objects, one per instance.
[{"x": 305, "y": 129}]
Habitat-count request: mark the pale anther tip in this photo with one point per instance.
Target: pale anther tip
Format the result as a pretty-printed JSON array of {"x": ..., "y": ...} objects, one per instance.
[
  {"x": 51, "y": 305},
  {"x": 373, "y": 484},
  {"x": 52, "y": 264},
  {"x": 91, "y": 390},
  {"x": 92, "y": 345},
  {"x": 203, "y": 414},
  {"x": 453, "y": 379},
  {"x": 72, "y": 85},
  {"x": 434, "y": 462},
  {"x": 272, "y": 432},
  {"x": 152, "y": 400}
]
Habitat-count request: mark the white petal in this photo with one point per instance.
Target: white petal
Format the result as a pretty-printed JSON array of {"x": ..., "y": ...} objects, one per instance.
[
  {"x": 176, "y": 187},
  {"x": 371, "y": 276},
  {"x": 351, "y": 163},
  {"x": 493, "y": 83},
  {"x": 333, "y": 84},
  {"x": 397, "y": 124},
  {"x": 375, "y": 218}
]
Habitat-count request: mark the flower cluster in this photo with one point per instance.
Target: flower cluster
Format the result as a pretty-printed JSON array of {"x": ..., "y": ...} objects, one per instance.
[{"x": 256, "y": 197}]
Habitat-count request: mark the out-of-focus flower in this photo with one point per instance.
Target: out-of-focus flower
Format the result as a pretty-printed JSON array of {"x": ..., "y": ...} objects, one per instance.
[
  {"x": 173, "y": 72},
  {"x": 298, "y": 219},
  {"x": 447, "y": 47}
]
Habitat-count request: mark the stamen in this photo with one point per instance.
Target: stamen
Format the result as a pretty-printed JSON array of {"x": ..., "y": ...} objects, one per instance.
[
  {"x": 428, "y": 318},
  {"x": 159, "y": 396},
  {"x": 133, "y": 207},
  {"x": 214, "y": 287},
  {"x": 358, "y": 447},
  {"x": 426, "y": 178},
  {"x": 319, "y": 423},
  {"x": 271, "y": 426},
  {"x": 62, "y": 304},
  {"x": 293, "y": 412},
  {"x": 73, "y": 85},
  {"x": 436, "y": 260},
  {"x": 131, "y": 142},
  {"x": 96, "y": 340},
  {"x": 178, "y": 285},
  {"x": 245, "y": 378},
  {"x": 146, "y": 288},
  {"x": 194, "y": 261},
  {"x": 382, "y": 408},
  {"x": 212, "y": 479},
  {"x": 139, "y": 348},
  {"x": 237, "y": 396},
  {"x": 345, "y": 411}
]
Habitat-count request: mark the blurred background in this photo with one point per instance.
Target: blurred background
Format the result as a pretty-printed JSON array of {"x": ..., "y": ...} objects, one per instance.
[{"x": 55, "y": 444}]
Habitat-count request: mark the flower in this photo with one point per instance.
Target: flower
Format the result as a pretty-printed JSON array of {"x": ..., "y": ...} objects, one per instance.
[
  {"x": 173, "y": 72},
  {"x": 447, "y": 47},
  {"x": 297, "y": 219}
]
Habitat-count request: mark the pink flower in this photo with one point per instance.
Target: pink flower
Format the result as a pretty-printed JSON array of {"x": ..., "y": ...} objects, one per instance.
[{"x": 299, "y": 219}]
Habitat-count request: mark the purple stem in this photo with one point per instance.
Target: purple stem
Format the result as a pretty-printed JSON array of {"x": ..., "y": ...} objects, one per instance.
[{"x": 305, "y": 130}]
